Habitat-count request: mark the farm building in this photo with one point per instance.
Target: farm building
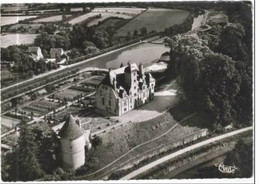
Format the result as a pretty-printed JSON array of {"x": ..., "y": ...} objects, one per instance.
[
  {"x": 124, "y": 89},
  {"x": 59, "y": 55},
  {"x": 35, "y": 53}
]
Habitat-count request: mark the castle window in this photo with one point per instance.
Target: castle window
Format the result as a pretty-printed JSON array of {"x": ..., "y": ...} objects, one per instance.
[
  {"x": 109, "y": 102},
  {"x": 125, "y": 102},
  {"x": 134, "y": 80},
  {"x": 103, "y": 101},
  {"x": 135, "y": 94},
  {"x": 124, "y": 109},
  {"x": 135, "y": 87}
]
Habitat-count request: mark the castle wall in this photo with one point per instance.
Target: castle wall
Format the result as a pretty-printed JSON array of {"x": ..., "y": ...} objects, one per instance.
[{"x": 73, "y": 152}]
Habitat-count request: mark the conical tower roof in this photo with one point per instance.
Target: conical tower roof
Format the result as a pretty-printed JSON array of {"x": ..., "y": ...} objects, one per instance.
[{"x": 70, "y": 129}]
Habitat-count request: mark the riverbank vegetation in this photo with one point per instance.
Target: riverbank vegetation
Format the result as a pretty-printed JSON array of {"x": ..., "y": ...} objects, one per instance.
[{"x": 214, "y": 69}]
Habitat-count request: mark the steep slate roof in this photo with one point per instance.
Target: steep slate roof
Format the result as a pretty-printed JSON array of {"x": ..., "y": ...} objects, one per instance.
[{"x": 70, "y": 129}]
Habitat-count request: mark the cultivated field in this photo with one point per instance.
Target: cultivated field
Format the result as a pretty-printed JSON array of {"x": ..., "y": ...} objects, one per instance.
[
  {"x": 104, "y": 16},
  {"x": 131, "y": 11},
  {"x": 154, "y": 19},
  {"x": 55, "y": 18},
  {"x": 17, "y": 39},
  {"x": 41, "y": 107},
  {"x": 5, "y": 20}
]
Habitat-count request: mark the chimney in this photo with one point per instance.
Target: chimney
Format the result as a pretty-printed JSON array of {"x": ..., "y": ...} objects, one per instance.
[{"x": 141, "y": 69}]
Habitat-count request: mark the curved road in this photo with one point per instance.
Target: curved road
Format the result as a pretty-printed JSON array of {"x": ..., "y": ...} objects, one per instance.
[{"x": 182, "y": 151}]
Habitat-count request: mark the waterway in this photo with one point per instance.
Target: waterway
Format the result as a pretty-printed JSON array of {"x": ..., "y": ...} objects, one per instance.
[
  {"x": 194, "y": 172},
  {"x": 145, "y": 53}
]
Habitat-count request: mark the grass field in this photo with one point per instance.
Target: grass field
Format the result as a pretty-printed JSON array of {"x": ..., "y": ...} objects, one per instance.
[
  {"x": 55, "y": 18},
  {"x": 121, "y": 140},
  {"x": 132, "y": 11},
  {"x": 154, "y": 19},
  {"x": 104, "y": 16},
  {"x": 5, "y": 20},
  {"x": 17, "y": 39}
]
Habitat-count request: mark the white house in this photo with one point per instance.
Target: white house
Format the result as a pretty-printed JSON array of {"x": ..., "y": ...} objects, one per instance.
[{"x": 124, "y": 89}]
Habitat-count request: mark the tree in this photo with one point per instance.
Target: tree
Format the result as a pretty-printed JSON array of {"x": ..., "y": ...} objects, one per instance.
[
  {"x": 29, "y": 167},
  {"x": 242, "y": 158},
  {"x": 135, "y": 33},
  {"x": 143, "y": 31}
]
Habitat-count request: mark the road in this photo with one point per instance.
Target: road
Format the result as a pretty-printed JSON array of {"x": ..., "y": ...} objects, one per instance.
[
  {"x": 75, "y": 65},
  {"x": 53, "y": 82},
  {"x": 35, "y": 120},
  {"x": 182, "y": 151}
]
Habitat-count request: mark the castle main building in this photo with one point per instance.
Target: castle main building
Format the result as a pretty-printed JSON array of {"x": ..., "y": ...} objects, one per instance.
[{"x": 124, "y": 89}]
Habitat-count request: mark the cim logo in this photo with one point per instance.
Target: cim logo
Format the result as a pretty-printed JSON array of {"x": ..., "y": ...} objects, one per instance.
[{"x": 226, "y": 169}]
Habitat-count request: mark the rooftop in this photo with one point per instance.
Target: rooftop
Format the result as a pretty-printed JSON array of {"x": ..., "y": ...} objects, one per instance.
[{"x": 70, "y": 129}]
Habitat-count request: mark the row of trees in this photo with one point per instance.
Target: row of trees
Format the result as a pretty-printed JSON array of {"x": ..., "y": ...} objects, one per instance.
[{"x": 214, "y": 71}]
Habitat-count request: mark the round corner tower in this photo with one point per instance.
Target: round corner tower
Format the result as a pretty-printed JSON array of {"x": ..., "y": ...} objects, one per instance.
[{"x": 72, "y": 144}]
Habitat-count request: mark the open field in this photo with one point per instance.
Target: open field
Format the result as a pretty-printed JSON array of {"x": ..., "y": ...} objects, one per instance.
[
  {"x": 133, "y": 11},
  {"x": 17, "y": 39},
  {"x": 154, "y": 19},
  {"x": 55, "y": 18},
  {"x": 69, "y": 94},
  {"x": 104, "y": 16},
  {"x": 5, "y": 20}
]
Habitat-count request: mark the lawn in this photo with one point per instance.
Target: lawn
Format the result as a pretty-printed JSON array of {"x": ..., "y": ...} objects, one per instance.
[
  {"x": 154, "y": 19},
  {"x": 69, "y": 94},
  {"x": 122, "y": 139}
]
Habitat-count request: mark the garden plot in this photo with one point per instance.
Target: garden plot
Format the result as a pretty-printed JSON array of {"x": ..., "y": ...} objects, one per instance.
[
  {"x": 69, "y": 94},
  {"x": 156, "y": 19},
  {"x": 59, "y": 117},
  {"x": 41, "y": 107}
]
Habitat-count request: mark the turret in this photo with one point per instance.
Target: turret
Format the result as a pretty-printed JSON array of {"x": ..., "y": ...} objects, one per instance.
[{"x": 72, "y": 144}]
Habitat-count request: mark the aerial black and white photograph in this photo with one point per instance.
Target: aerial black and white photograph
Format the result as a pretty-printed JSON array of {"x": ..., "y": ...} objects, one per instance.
[{"x": 127, "y": 91}]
